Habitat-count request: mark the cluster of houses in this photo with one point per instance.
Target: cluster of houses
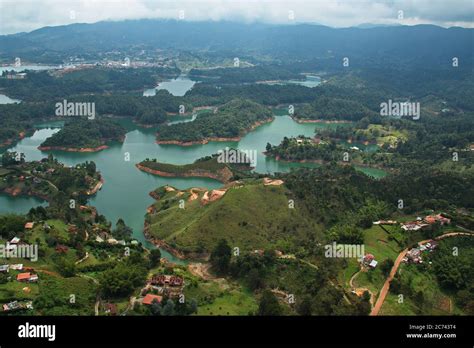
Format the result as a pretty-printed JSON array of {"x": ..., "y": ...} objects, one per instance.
[
  {"x": 112, "y": 241},
  {"x": 27, "y": 276},
  {"x": 421, "y": 223},
  {"x": 414, "y": 255},
  {"x": 163, "y": 280},
  {"x": 169, "y": 285},
  {"x": 7, "y": 268},
  {"x": 15, "y": 305}
]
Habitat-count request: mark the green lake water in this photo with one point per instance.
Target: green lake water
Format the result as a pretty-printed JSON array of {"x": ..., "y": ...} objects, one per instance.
[
  {"x": 125, "y": 192},
  {"x": 310, "y": 81},
  {"x": 7, "y": 100},
  {"x": 177, "y": 87}
]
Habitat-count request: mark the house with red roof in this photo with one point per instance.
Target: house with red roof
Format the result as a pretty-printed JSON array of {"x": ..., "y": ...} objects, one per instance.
[
  {"x": 150, "y": 298},
  {"x": 26, "y": 277}
]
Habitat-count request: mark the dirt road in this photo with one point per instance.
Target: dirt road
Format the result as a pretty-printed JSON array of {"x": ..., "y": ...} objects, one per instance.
[{"x": 386, "y": 285}]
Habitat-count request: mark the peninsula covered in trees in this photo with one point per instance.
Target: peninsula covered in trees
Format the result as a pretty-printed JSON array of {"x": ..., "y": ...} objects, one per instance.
[
  {"x": 229, "y": 123},
  {"x": 208, "y": 167},
  {"x": 83, "y": 135}
]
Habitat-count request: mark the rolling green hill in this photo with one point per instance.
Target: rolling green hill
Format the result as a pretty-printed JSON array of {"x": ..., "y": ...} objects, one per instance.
[{"x": 249, "y": 216}]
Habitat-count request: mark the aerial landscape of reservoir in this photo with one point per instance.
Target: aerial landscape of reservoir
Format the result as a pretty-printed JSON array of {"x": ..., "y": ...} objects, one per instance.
[
  {"x": 172, "y": 160},
  {"x": 125, "y": 192}
]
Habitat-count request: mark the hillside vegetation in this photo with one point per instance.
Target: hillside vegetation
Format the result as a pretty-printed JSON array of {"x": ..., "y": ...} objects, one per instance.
[
  {"x": 250, "y": 217},
  {"x": 231, "y": 120}
]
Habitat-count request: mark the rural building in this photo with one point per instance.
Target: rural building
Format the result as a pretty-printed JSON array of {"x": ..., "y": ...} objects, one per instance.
[
  {"x": 17, "y": 266},
  {"x": 373, "y": 264},
  {"x": 171, "y": 280},
  {"x": 27, "y": 277},
  {"x": 413, "y": 226},
  {"x": 111, "y": 309},
  {"x": 431, "y": 219},
  {"x": 369, "y": 261},
  {"x": 414, "y": 255},
  {"x": 15, "y": 240},
  {"x": 150, "y": 298}
]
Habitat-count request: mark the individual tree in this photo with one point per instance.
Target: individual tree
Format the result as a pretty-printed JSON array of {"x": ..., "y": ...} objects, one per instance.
[
  {"x": 154, "y": 257},
  {"x": 386, "y": 266},
  {"x": 156, "y": 308},
  {"x": 255, "y": 280},
  {"x": 122, "y": 231},
  {"x": 220, "y": 257},
  {"x": 168, "y": 308},
  {"x": 304, "y": 307},
  {"x": 269, "y": 304}
]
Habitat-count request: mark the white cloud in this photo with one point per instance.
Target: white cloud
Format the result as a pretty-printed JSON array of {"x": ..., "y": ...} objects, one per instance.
[{"x": 27, "y": 15}]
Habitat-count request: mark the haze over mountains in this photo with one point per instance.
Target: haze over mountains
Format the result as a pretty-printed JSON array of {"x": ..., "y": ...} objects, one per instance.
[{"x": 421, "y": 45}]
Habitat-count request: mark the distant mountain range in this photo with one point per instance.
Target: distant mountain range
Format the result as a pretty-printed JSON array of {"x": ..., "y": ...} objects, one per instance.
[{"x": 421, "y": 45}]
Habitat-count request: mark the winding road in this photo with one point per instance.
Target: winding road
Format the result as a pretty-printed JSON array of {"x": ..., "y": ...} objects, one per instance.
[{"x": 386, "y": 285}]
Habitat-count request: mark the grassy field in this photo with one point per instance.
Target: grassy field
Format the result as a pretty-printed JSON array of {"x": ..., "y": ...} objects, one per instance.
[
  {"x": 217, "y": 297},
  {"x": 13, "y": 290},
  {"x": 378, "y": 243},
  {"x": 57, "y": 292},
  {"x": 230, "y": 302},
  {"x": 346, "y": 274},
  {"x": 384, "y": 135},
  {"x": 250, "y": 217},
  {"x": 435, "y": 301}
]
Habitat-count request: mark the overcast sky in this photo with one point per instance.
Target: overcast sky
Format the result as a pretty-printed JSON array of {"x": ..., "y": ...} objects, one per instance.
[{"x": 26, "y": 15}]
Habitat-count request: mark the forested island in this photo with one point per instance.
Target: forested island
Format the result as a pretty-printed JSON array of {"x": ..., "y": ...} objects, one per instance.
[
  {"x": 208, "y": 167},
  {"x": 229, "y": 123},
  {"x": 83, "y": 135}
]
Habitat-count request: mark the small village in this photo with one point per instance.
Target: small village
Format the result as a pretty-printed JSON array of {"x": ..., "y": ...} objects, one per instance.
[
  {"x": 159, "y": 286},
  {"x": 414, "y": 255}
]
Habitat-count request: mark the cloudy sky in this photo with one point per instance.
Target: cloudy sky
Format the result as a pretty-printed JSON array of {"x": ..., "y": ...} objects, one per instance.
[{"x": 26, "y": 15}]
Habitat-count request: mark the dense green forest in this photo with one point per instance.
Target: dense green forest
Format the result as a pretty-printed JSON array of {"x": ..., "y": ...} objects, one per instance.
[
  {"x": 333, "y": 109},
  {"x": 47, "y": 85},
  {"x": 231, "y": 120},
  {"x": 83, "y": 133},
  {"x": 301, "y": 149},
  {"x": 244, "y": 74},
  {"x": 440, "y": 141},
  {"x": 330, "y": 190}
]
